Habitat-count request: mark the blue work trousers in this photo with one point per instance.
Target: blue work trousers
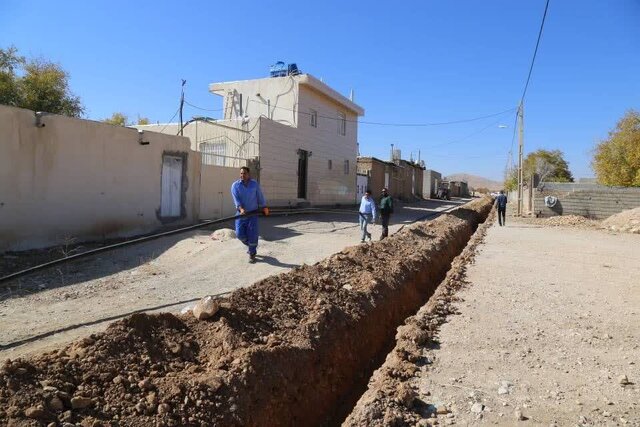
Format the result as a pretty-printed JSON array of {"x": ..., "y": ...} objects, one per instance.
[
  {"x": 365, "y": 219},
  {"x": 247, "y": 232}
]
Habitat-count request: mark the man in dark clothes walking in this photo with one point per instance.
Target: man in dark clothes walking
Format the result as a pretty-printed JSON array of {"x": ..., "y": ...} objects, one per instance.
[
  {"x": 386, "y": 209},
  {"x": 501, "y": 203}
]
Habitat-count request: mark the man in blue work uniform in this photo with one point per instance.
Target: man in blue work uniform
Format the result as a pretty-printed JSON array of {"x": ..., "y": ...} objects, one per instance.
[
  {"x": 501, "y": 202},
  {"x": 248, "y": 198},
  {"x": 367, "y": 214}
]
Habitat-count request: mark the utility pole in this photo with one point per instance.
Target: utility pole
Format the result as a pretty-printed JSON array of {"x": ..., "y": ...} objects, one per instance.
[
  {"x": 520, "y": 161},
  {"x": 182, "y": 104}
]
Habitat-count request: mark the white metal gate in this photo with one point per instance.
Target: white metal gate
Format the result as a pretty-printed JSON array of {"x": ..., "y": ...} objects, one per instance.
[
  {"x": 362, "y": 182},
  {"x": 171, "y": 186}
]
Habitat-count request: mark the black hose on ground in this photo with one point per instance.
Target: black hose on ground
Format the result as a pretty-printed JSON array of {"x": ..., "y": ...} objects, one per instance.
[{"x": 203, "y": 224}]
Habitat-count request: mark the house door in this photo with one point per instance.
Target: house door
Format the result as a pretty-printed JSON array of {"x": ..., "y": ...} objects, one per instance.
[
  {"x": 303, "y": 159},
  {"x": 171, "y": 186},
  {"x": 413, "y": 182}
]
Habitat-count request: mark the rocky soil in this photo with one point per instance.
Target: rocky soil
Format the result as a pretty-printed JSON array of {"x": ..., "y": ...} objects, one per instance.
[
  {"x": 541, "y": 329},
  {"x": 626, "y": 221},
  {"x": 289, "y": 350}
]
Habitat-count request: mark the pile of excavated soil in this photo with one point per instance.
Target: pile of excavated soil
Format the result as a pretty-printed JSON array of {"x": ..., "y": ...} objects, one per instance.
[
  {"x": 626, "y": 221},
  {"x": 288, "y": 350},
  {"x": 390, "y": 399},
  {"x": 563, "y": 221}
]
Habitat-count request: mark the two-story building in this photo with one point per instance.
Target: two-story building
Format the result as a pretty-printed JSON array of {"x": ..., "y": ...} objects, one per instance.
[{"x": 299, "y": 133}]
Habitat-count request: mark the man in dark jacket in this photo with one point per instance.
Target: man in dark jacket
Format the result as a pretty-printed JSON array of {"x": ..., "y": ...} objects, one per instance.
[
  {"x": 501, "y": 203},
  {"x": 386, "y": 209}
]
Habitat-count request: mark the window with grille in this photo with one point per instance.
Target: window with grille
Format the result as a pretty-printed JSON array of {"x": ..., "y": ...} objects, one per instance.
[{"x": 342, "y": 123}]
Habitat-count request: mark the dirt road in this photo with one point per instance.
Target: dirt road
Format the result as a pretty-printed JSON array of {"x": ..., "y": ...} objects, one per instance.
[
  {"x": 547, "y": 332},
  {"x": 168, "y": 273}
]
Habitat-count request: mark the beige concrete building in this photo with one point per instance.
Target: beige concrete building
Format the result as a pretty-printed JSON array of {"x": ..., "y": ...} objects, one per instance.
[{"x": 299, "y": 134}]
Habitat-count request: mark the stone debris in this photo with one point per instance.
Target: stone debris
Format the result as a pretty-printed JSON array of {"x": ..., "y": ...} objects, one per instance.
[
  {"x": 626, "y": 221},
  {"x": 205, "y": 308},
  {"x": 623, "y": 380},
  {"x": 223, "y": 234},
  {"x": 477, "y": 408}
]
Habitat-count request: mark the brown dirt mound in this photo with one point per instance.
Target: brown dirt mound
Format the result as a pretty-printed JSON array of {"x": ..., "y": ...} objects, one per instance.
[
  {"x": 626, "y": 221},
  {"x": 285, "y": 351},
  {"x": 563, "y": 221},
  {"x": 391, "y": 399}
]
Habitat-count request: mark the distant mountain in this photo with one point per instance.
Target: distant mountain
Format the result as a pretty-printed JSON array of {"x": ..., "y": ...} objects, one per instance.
[{"x": 475, "y": 181}]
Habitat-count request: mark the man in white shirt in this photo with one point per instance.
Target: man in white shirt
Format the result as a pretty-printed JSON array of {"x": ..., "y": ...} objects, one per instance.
[{"x": 367, "y": 214}]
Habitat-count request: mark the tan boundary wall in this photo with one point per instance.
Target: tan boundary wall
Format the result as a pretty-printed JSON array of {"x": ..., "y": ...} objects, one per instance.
[
  {"x": 215, "y": 191},
  {"x": 82, "y": 180},
  {"x": 591, "y": 201}
]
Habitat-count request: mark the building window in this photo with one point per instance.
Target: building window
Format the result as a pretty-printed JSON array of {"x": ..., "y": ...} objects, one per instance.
[
  {"x": 313, "y": 118},
  {"x": 330, "y": 165},
  {"x": 346, "y": 167},
  {"x": 342, "y": 123}
]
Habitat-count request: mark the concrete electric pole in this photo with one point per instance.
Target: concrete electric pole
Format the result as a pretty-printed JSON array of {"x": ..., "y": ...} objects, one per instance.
[{"x": 520, "y": 160}]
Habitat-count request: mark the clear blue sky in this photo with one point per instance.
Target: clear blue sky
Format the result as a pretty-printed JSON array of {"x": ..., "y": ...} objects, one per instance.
[{"x": 413, "y": 62}]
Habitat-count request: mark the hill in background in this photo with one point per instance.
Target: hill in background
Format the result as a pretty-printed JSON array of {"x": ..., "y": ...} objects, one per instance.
[{"x": 475, "y": 181}]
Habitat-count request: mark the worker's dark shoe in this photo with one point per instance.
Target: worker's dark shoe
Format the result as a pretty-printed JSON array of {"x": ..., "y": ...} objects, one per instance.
[
  {"x": 252, "y": 259},
  {"x": 369, "y": 236},
  {"x": 362, "y": 241}
]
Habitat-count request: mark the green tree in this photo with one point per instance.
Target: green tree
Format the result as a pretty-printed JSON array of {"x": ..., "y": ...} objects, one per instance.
[
  {"x": 9, "y": 62},
  {"x": 616, "y": 160},
  {"x": 549, "y": 165},
  {"x": 143, "y": 120},
  {"x": 37, "y": 85},
  {"x": 118, "y": 119}
]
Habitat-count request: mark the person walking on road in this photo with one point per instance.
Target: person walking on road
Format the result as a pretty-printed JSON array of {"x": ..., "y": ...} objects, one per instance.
[
  {"x": 501, "y": 203},
  {"x": 248, "y": 199},
  {"x": 367, "y": 214},
  {"x": 386, "y": 209}
]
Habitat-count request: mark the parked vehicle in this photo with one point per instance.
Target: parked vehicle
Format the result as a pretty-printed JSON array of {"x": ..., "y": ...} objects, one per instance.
[{"x": 443, "y": 194}]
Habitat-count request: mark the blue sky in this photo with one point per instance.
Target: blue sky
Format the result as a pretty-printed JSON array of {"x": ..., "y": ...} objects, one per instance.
[{"x": 408, "y": 62}]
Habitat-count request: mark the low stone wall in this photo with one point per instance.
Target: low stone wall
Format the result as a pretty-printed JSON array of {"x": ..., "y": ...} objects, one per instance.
[{"x": 596, "y": 202}]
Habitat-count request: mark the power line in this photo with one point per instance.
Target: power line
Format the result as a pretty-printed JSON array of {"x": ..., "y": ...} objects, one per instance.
[
  {"x": 535, "y": 53},
  {"x": 394, "y": 124},
  {"x": 200, "y": 108},
  {"x": 169, "y": 122}
]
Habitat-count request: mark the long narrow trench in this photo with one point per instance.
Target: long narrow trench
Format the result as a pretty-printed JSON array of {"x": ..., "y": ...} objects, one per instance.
[{"x": 293, "y": 349}]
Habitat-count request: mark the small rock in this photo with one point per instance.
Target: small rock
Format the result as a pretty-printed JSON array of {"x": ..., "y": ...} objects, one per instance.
[
  {"x": 477, "y": 408},
  {"x": 36, "y": 412},
  {"x": 56, "y": 404},
  {"x": 145, "y": 384},
  {"x": 223, "y": 234},
  {"x": 347, "y": 287},
  {"x": 206, "y": 308},
  {"x": 164, "y": 408},
  {"x": 623, "y": 380},
  {"x": 518, "y": 416},
  {"x": 442, "y": 409},
  {"x": 80, "y": 402},
  {"x": 606, "y": 414},
  {"x": 118, "y": 379},
  {"x": 503, "y": 390}
]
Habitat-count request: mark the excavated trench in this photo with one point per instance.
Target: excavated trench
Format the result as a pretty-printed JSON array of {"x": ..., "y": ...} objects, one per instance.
[{"x": 293, "y": 349}]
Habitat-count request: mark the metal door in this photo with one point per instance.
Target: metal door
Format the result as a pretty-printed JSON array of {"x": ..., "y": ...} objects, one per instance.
[{"x": 171, "y": 186}]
